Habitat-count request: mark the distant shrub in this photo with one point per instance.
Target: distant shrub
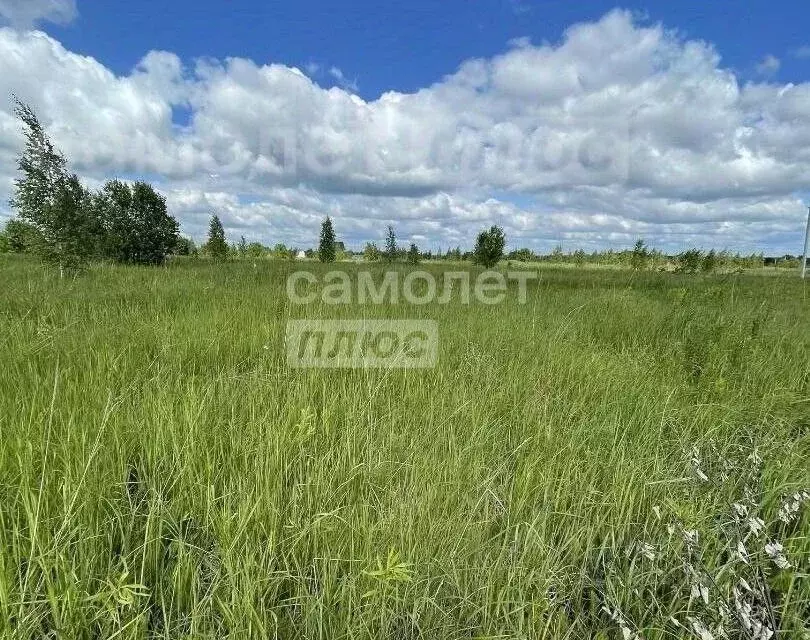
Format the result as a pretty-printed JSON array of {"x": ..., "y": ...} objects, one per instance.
[
  {"x": 710, "y": 262},
  {"x": 689, "y": 261},
  {"x": 489, "y": 247},
  {"x": 640, "y": 257}
]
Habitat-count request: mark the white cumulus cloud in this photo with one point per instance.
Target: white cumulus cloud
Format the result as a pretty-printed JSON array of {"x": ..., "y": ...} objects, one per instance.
[
  {"x": 620, "y": 129},
  {"x": 25, "y": 13},
  {"x": 769, "y": 65}
]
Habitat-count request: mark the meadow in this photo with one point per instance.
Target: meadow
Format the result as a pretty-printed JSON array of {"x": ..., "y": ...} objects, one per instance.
[{"x": 571, "y": 468}]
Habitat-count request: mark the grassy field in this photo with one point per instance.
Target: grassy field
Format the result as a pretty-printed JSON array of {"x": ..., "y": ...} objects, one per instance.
[{"x": 164, "y": 474}]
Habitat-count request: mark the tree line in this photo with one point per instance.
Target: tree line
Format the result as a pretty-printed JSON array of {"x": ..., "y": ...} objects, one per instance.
[
  {"x": 489, "y": 247},
  {"x": 67, "y": 224}
]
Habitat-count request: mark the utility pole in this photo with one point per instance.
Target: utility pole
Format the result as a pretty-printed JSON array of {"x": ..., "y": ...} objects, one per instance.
[{"x": 806, "y": 245}]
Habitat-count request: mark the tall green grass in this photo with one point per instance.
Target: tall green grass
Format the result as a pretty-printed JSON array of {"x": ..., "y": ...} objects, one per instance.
[{"x": 164, "y": 475}]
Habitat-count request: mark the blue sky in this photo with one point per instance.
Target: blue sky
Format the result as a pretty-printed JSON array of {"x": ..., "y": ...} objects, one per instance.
[
  {"x": 404, "y": 46},
  {"x": 583, "y": 123}
]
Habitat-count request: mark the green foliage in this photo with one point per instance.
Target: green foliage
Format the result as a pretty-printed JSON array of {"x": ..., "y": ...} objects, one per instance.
[
  {"x": 489, "y": 247},
  {"x": 68, "y": 226},
  {"x": 641, "y": 256},
  {"x": 216, "y": 246},
  {"x": 371, "y": 253},
  {"x": 256, "y": 250},
  {"x": 689, "y": 261},
  {"x": 710, "y": 262},
  {"x": 137, "y": 228},
  {"x": 413, "y": 254},
  {"x": 43, "y": 168},
  {"x": 282, "y": 252},
  {"x": 391, "y": 252},
  {"x": 522, "y": 255},
  {"x": 326, "y": 245},
  {"x": 52, "y": 199},
  {"x": 21, "y": 237},
  {"x": 185, "y": 247}
]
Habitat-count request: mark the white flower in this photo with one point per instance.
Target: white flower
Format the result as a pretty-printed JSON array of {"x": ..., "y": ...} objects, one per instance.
[
  {"x": 695, "y": 460},
  {"x": 762, "y": 631},
  {"x": 757, "y": 629},
  {"x": 776, "y": 552},
  {"x": 700, "y": 591},
  {"x": 618, "y": 618},
  {"x": 740, "y": 509},
  {"x": 743, "y": 610},
  {"x": 691, "y": 537},
  {"x": 700, "y": 629},
  {"x": 756, "y": 525},
  {"x": 791, "y": 505},
  {"x": 742, "y": 552},
  {"x": 773, "y": 548}
]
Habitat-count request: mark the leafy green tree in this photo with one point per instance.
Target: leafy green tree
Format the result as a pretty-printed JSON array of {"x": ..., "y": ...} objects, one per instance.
[
  {"x": 689, "y": 261},
  {"x": 256, "y": 250},
  {"x": 326, "y": 246},
  {"x": 112, "y": 205},
  {"x": 137, "y": 226},
  {"x": 640, "y": 257},
  {"x": 156, "y": 231},
  {"x": 371, "y": 253},
  {"x": 281, "y": 251},
  {"x": 185, "y": 247},
  {"x": 710, "y": 262},
  {"x": 216, "y": 246},
  {"x": 522, "y": 255},
  {"x": 413, "y": 254},
  {"x": 390, "y": 245},
  {"x": 52, "y": 199},
  {"x": 489, "y": 247},
  {"x": 21, "y": 236}
]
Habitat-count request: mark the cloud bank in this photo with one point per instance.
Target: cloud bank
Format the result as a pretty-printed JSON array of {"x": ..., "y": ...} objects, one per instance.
[
  {"x": 25, "y": 13},
  {"x": 619, "y": 130}
]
